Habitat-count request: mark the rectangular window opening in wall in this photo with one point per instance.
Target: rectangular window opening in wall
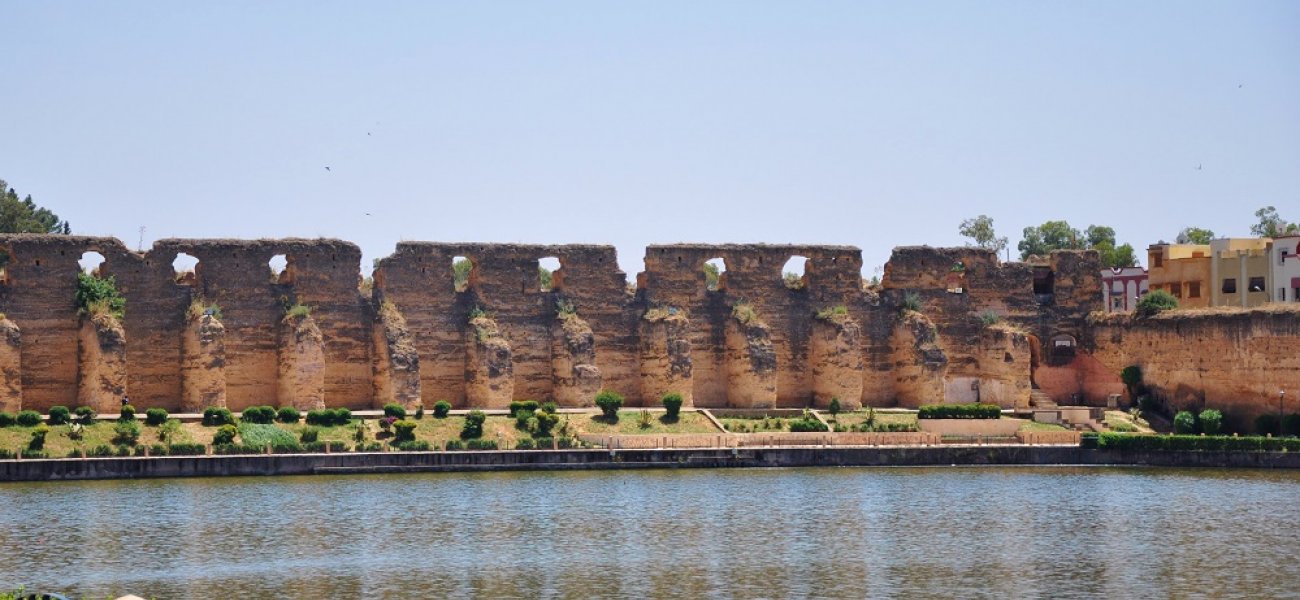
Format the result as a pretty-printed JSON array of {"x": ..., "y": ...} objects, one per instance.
[
  {"x": 1256, "y": 284},
  {"x": 1194, "y": 289},
  {"x": 1176, "y": 289},
  {"x": 1157, "y": 260},
  {"x": 1229, "y": 286},
  {"x": 1281, "y": 294},
  {"x": 546, "y": 269},
  {"x": 461, "y": 267}
]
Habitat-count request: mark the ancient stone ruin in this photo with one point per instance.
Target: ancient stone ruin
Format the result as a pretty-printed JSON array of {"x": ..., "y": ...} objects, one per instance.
[{"x": 945, "y": 324}]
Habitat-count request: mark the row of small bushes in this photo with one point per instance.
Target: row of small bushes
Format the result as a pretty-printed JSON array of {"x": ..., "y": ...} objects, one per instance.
[
  {"x": 474, "y": 444},
  {"x": 959, "y": 411},
  {"x": 59, "y": 415},
  {"x": 329, "y": 417},
  {"x": 1204, "y": 443}
]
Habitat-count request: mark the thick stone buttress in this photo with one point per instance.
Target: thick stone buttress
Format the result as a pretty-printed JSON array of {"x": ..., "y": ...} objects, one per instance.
[
  {"x": 489, "y": 366},
  {"x": 575, "y": 378},
  {"x": 101, "y": 381},
  {"x": 302, "y": 364},
  {"x": 751, "y": 361},
  {"x": 11, "y": 373},
  {"x": 665, "y": 355},
  {"x": 836, "y": 356},
  {"x": 203, "y": 363},
  {"x": 920, "y": 364},
  {"x": 397, "y": 363}
]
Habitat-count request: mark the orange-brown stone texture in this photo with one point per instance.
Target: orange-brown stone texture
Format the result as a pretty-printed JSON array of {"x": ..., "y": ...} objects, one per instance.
[{"x": 985, "y": 330}]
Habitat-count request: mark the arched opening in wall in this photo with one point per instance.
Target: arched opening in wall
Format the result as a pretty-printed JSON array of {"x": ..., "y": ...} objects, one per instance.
[
  {"x": 1062, "y": 349},
  {"x": 1044, "y": 284},
  {"x": 280, "y": 273},
  {"x": 715, "y": 270},
  {"x": 91, "y": 262},
  {"x": 546, "y": 269},
  {"x": 794, "y": 273},
  {"x": 6, "y": 255},
  {"x": 185, "y": 269},
  {"x": 461, "y": 269}
]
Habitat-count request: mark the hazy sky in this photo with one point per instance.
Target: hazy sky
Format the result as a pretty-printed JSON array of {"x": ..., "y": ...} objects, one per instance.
[{"x": 872, "y": 124}]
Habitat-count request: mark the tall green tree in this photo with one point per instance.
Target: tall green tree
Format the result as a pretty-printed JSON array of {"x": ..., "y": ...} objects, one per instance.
[
  {"x": 1194, "y": 235},
  {"x": 1271, "y": 224},
  {"x": 1058, "y": 235},
  {"x": 25, "y": 216},
  {"x": 980, "y": 229}
]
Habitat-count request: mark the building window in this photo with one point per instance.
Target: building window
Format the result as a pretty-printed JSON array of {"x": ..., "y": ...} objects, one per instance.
[
  {"x": 1194, "y": 289},
  {"x": 1256, "y": 284},
  {"x": 1229, "y": 286},
  {"x": 1176, "y": 289},
  {"x": 1157, "y": 260},
  {"x": 1281, "y": 294},
  {"x": 1116, "y": 303}
]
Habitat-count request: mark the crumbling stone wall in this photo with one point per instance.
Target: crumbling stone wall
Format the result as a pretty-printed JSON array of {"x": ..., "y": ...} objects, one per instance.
[
  {"x": 397, "y": 363},
  {"x": 203, "y": 364},
  {"x": 102, "y": 357},
  {"x": 575, "y": 376},
  {"x": 301, "y": 376},
  {"x": 666, "y": 363},
  {"x": 11, "y": 373}
]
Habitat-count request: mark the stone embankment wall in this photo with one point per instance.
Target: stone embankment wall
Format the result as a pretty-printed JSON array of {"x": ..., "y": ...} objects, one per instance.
[{"x": 950, "y": 324}]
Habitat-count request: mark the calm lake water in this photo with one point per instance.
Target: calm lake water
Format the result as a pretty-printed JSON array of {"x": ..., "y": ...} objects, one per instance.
[{"x": 758, "y": 533}]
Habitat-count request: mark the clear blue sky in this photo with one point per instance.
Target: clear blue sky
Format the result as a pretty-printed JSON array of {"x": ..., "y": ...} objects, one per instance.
[{"x": 864, "y": 123}]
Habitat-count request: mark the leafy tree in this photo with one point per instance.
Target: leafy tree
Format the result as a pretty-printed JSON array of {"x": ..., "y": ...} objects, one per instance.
[
  {"x": 711, "y": 276},
  {"x": 1194, "y": 235},
  {"x": 1155, "y": 302},
  {"x": 1058, "y": 235},
  {"x": 1271, "y": 224},
  {"x": 980, "y": 229},
  {"x": 544, "y": 276},
  {"x": 25, "y": 216}
]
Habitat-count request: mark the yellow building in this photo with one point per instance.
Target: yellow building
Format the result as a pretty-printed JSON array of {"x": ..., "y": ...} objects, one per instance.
[
  {"x": 1183, "y": 270},
  {"x": 1241, "y": 272}
]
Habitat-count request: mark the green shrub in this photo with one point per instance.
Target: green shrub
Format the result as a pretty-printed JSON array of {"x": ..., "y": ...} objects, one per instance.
[
  {"x": 368, "y": 447},
  {"x": 95, "y": 294},
  {"x": 524, "y": 444},
  {"x": 225, "y": 435},
  {"x": 237, "y": 449},
  {"x": 609, "y": 402},
  {"x": 1155, "y": 303},
  {"x": 8, "y": 454},
  {"x": 455, "y": 445},
  {"x": 807, "y": 423},
  {"x": 1132, "y": 378},
  {"x": 260, "y": 434},
  {"x": 524, "y": 406},
  {"x": 100, "y": 451},
  {"x": 394, "y": 410},
  {"x": 126, "y": 433},
  {"x": 404, "y": 430},
  {"x": 473, "y": 427},
  {"x": 321, "y": 447},
  {"x": 288, "y": 414},
  {"x": 309, "y": 435},
  {"x": 60, "y": 415},
  {"x": 37, "y": 440},
  {"x": 1291, "y": 424},
  {"x": 419, "y": 412},
  {"x": 1266, "y": 423},
  {"x": 476, "y": 444},
  {"x": 564, "y": 443},
  {"x": 834, "y": 407},
  {"x": 320, "y": 417},
  {"x": 32, "y": 453},
  {"x": 155, "y": 416},
  {"x": 1197, "y": 443},
  {"x": 298, "y": 311},
  {"x": 154, "y": 450},
  {"x": 543, "y": 443},
  {"x": 441, "y": 409},
  {"x": 414, "y": 446},
  {"x": 186, "y": 449},
  {"x": 342, "y": 416},
  {"x": 959, "y": 411},
  {"x": 290, "y": 446},
  {"x": 1123, "y": 427},
  {"x": 1211, "y": 421},
  {"x": 85, "y": 414},
  {"x": 216, "y": 417},
  {"x": 124, "y": 450},
  {"x": 29, "y": 418},
  {"x": 7, "y": 419},
  {"x": 127, "y": 413},
  {"x": 260, "y": 415},
  {"x": 1184, "y": 423},
  {"x": 672, "y": 402},
  {"x": 911, "y": 301},
  {"x": 550, "y": 407}
]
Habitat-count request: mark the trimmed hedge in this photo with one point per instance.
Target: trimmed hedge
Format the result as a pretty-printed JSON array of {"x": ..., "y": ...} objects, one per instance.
[
  {"x": 321, "y": 447},
  {"x": 216, "y": 417},
  {"x": 960, "y": 411},
  {"x": 260, "y": 415},
  {"x": 28, "y": 418},
  {"x": 186, "y": 449},
  {"x": 7, "y": 419},
  {"x": 155, "y": 416},
  {"x": 441, "y": 409},
  {"x": 60, "y": 415},
  {"x": 288, "y": 414},
  {"x": 414, "y": 446},
  {"x": 237, "y": 449},
  {"x": 1197, "y": 443}
]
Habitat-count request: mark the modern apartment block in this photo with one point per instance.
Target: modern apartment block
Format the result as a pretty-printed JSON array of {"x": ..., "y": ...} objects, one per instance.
[
  {"x": 1284, "y": 262},
  {"x": 1241, "y": 272},
  {"x": 1183, "y": 270},
  {"x": 1122, "y": 287}
]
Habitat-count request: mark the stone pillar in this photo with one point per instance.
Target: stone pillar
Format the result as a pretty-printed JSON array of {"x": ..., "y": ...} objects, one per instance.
[
  {"x": 836, "y": 354},
  {"x": 489, "y": 368},
  {"x": 301, "y": 382},
  {"x": 101, "y": 357},
  {"x": 751, "y": 362},
  {"x": 1004, "y": 367},
  {"x": 920, "y": 365},
  {"x": 575, "y": 378},
  {"x": 665, "y": 349},
  {"x": 11, "y": 373},
  {"x": 203, "y": 364},
  {"x": 397, "y": 363}
]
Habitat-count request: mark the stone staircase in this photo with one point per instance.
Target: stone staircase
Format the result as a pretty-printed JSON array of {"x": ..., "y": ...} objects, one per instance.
[{"x": 1040, "y": 399}]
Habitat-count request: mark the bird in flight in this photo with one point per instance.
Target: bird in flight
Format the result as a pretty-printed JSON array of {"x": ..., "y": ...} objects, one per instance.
[
  {"x": 327, "y": 169},
  {"x": 1198, "y": 166},
  {"x": 367, "y": 133}
]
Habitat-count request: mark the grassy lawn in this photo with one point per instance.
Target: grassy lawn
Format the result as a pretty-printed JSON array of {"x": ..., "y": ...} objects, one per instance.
[
  {"x": 1030, "y": 425},
  {"x": 629, "y": 422},
  {"x": 1118, "y": 420},
  {"x": 849, "y": 419},
  {"x": 755, "y": 424}
]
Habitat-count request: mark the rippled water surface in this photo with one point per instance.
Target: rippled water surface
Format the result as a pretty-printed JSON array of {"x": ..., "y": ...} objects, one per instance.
[{"x": 760, "y": 533}]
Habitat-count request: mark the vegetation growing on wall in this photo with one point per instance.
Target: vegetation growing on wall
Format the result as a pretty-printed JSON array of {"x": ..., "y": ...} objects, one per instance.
[{"x": 97, "y": 296}]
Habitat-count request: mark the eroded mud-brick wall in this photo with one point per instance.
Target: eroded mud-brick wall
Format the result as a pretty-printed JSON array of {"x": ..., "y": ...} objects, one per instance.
[
  {"x": 504, "y": 282},
  {"x": 753, "y": 275}
]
